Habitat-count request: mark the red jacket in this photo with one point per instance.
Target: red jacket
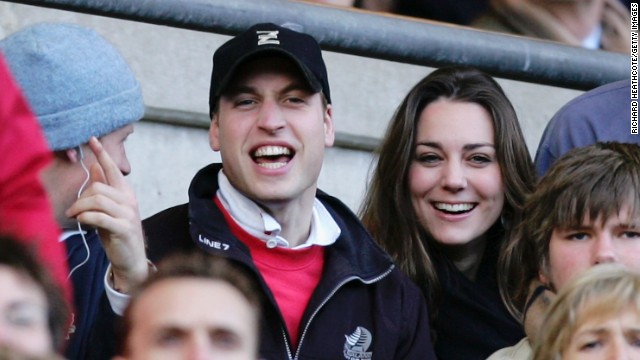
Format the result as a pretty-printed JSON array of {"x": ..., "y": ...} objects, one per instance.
[{"x": 25, "y": 211}]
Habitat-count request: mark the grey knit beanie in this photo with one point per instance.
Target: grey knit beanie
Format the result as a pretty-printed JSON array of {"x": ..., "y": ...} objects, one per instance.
[{"x": 77, "y": 84}]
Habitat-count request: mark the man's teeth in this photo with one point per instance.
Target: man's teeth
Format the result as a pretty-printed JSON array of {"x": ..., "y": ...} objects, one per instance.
[
  {"x": 271, "y": 151},
  {"x": 272, "y": 165},
  {"x": 453, "y": 207}
]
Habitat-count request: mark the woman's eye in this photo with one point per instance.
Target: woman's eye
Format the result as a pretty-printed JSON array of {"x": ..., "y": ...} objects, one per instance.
[
  {"x": 480, "y": 159},
  {"x": 428, "y": 158}
]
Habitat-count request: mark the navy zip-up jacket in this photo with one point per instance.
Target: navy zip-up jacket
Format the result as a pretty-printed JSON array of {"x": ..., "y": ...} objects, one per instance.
[
  {"x": 363, "y": 307},
  {"x": 88, "y": 286}
]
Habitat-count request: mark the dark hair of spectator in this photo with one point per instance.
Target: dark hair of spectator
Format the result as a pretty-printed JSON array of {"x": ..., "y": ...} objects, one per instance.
[{"x": 593, "y": 182}]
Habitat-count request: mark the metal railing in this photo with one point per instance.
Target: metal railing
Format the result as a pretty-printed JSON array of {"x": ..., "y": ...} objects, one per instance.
[
  {"x": 377, "y": 36},
  {"x": 374, "y": 35}
]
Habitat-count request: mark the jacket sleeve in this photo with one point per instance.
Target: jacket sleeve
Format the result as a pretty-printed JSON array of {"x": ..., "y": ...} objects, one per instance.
[{"x": 415, "y": 341}]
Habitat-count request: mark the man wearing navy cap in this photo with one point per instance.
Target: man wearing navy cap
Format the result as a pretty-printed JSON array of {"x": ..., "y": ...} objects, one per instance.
[{"x": 329, "y": 291}]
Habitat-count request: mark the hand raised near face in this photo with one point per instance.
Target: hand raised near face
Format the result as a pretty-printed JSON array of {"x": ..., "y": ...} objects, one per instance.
[{"x": 109, "y": 204}]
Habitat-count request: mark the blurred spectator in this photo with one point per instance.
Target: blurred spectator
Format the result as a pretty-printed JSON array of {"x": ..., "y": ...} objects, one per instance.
[
  {"x": 25, "y": 211},
  {"x": 596, "y": 316},
  {"x": 195, "y": 306},
  {"x": 592, "y": 24},
  {"x": 457, "y": 12},
  {"x": 460, "y": 12},
  {"x": 602, "y": 114},
  {"x": 33, "y": 310}
]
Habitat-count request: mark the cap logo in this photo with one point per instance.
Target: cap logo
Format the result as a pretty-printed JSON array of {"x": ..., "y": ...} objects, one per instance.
[{"x": 268, "y": 37}]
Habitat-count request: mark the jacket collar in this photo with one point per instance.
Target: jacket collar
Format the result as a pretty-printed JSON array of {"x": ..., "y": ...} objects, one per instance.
[
  {"x": 353, "y": 255},
  {"x": 260, "y": 224}
]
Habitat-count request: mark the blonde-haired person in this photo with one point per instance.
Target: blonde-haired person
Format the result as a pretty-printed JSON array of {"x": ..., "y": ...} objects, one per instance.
[{"x": 595, "y": 316}]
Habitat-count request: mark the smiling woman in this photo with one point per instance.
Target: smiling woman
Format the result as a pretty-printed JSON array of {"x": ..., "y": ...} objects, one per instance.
[{"x": 451, "y": 178}]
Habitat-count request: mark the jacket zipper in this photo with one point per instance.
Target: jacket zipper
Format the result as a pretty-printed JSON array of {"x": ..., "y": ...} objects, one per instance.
[
  {"x": 306, "y": 327},
  {"x": 286, "y": 343}
]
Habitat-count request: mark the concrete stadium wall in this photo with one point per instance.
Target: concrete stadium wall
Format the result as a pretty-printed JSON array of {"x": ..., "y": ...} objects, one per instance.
[{"x": 174, "y": 68}]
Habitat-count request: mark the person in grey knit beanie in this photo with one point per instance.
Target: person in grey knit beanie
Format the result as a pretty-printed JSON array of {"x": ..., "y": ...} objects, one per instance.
[
  {"x": 76, "y": 83},
  {"x": 86, "y": 99}
]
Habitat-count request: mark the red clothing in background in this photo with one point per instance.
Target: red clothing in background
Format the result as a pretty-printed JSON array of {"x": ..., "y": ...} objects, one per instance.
[{"x": 25, "y": 210}]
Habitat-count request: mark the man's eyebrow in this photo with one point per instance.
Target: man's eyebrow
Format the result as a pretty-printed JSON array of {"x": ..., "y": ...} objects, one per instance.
[
  {"x": 173, "y": 329},
  {"x": 298, "y": 86},
  {"x": 247, "y": 89},
  {"x": 239, "y": 89}
]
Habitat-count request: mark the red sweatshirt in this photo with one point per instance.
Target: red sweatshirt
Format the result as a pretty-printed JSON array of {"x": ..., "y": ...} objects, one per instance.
[{"x": 292, "y": 275}]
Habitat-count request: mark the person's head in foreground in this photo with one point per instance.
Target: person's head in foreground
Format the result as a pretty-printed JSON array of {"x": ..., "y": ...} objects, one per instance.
[
  {"x": 584, "y": 212},
  {"x": 452, "y": 174},
  {"x": 595, "y": 316},
  {"x": 194, "y": 307},
  {"x": 33, "y": 311}
]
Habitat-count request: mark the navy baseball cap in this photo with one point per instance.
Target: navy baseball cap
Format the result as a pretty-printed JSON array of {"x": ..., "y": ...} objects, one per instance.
[{"x": 264, "y": 39}]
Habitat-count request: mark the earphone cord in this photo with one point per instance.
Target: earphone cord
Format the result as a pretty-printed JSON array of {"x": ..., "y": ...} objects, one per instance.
[{"x": 84, "y": 239}]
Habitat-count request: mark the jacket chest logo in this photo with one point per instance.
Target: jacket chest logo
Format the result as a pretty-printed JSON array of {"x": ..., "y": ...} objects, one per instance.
[{"x": 357, "y": 344}]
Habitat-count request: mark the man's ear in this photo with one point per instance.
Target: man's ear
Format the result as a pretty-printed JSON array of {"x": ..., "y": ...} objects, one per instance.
[
  {"x": 329, "y": 130},
  {"x": 214, "y": 133},
  {"x": 73, "y": 154}
]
